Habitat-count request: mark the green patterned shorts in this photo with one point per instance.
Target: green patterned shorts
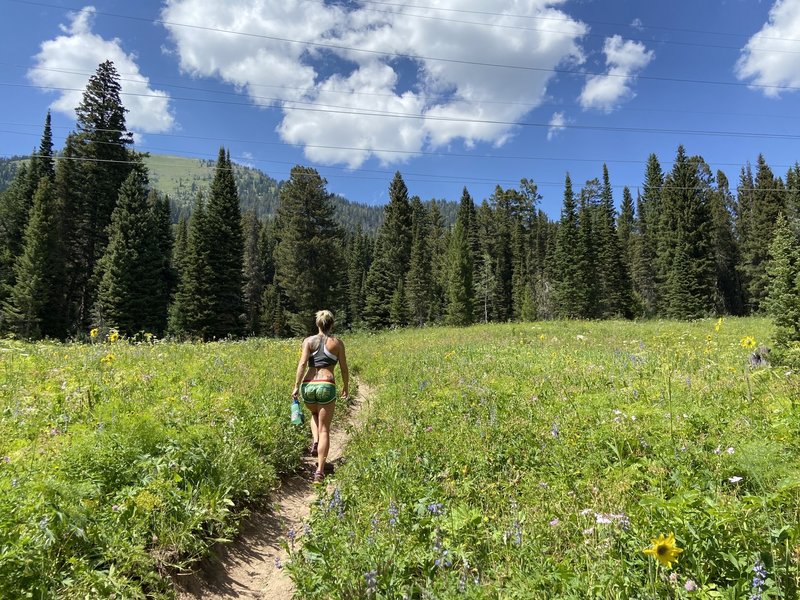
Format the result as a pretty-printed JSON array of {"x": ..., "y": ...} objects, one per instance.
[{"x": 318, "y": 392}]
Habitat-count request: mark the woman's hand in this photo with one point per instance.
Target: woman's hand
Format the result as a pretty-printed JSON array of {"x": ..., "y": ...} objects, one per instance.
[
  {"x": 345, "y": 394},
  {"x": 295, "y": 392}
]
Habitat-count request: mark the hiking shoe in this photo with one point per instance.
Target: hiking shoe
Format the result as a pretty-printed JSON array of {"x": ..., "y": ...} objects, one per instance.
[{"x": 319, "y": 476}]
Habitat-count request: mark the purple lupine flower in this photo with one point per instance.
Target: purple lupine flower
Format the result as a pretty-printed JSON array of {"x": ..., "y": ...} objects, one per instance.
[
  {"x": 291, "y": 534},
  {"x": 371, "y": 579},
  {"x": 435, "y": 508},
  {"x": 393, "y": 512},
  {"x": 759, "y": 579},
  {"x": 278, "y": 563}
]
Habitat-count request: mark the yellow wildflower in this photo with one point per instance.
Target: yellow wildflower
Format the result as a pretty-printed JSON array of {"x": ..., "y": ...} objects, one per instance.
[
  {"x": 748, "y": 342},
  {"x": 107, "y": 359},
  {"x": 113, "y": 336},
  {"x": 664, "y": 550},
  {"x": 93, "y": 333},
  {"x": 718, "y": 326}
]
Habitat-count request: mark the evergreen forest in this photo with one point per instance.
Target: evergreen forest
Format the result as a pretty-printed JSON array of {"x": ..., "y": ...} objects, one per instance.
[{"x": 89, "y": 242}]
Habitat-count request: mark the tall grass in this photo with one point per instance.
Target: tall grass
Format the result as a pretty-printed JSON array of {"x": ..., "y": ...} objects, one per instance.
[{"x": 540, "y": 460}]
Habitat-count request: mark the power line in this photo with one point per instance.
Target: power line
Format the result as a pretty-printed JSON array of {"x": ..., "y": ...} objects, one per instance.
[
  {"x": 374, "y": 150},
  {"x": 371, "y": 94},
  {"x": 431, "y": 58},
  {"x": 342, "y": 110},
  {"x": 388, "y": 174},
  {"x": 589, "y": 34},
  {"x": 546, "y": 18}
]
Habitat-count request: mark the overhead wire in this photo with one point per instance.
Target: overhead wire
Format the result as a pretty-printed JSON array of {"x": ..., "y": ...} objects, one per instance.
[{"x": 421, "y": 57}]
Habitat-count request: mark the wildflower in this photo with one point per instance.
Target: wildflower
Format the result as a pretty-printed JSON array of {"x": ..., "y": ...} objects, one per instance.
[
  {"x": 554, "y": 522},
  {"x": 690, "y": 585},
  {"x": 664, "y": 550},
  {"x": 113, "y": 336},
  {"x": 6, "y": 459},
  {"x": 435, "y": 508},
  {"x": 734, "y": 479},
  {"x": 393, "y": 512},
  {"x": 718, "y": 326},
  {"x": 371, "y": 579},
  {"x": 602, "y": 519},
  {"x": 517, "y": 533},
  {"x": 544, "y": 485},
  {"x": 291, "y": 534},
  {"x": 93, "y": 333},
  {"x": 748, "y": 342},
  {"x": 588, "y": 531},
  {"x": 115, "y": 507},
  {"x": 306, "y": 529},
  {"x": 718, "y": 450},
  {"x": 730, "y": 450},
  {"x": 108, "y": 359},
  {"x": 554, "y": 430},
  {"x": 278, "y": 564},
  {"x": 759, "y": 579},
  {"x": 673, "y": 578}
]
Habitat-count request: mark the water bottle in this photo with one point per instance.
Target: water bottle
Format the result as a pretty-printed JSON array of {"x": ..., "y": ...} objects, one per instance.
[{"x": 297, "y": 413}]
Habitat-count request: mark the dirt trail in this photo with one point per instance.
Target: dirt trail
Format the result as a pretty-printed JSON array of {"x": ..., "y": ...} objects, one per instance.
[{"x": 247, "y": 567}]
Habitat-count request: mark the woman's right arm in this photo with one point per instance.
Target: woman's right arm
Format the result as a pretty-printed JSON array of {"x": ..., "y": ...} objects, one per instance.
[
  {"x": 345, "y": 371},
  {"x": 301, "y": 369}
]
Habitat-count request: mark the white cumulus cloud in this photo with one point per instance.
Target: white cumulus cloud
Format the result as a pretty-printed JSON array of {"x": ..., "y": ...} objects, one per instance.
[
  {"x": 557, "y": 123},
  {"x": 624, "y": 60},
  {"x": 770, "y": 56},
  {"x": 66, "y": 62},
  {"x": 354, "y": 81}
]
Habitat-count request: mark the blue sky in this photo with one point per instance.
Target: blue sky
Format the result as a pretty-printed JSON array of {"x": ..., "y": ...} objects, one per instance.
[{"x": 451, "y": 93}]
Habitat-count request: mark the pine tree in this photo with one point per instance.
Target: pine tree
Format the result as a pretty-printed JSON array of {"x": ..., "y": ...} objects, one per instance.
[
  {"x": 392, "y": 256},
  {"x": 15, "y": 206},
  {"x": 438, "y": 249},
  {"x": 626, "y": 228},
  {"x": 569, "y": 279},
  {"x": 43, "y": 163},
  {"x": 782, "y": 302},
  {"x": 224, "y": 238},
  {"x": 767, "y": 202},
  {"x": 728, "y": 292},
  {"x": 419, "y": 276},
  {"x": 100, "y": 146},
  {"x": 614, "y": 286},
  {"x": 687, "y": 221},
  {"x": 459, "y": 307},
  {"x": 32, "y": 308},
  {"x": 501, "y": 254},
  {"x": 358, "y": 261},
  {"x": 131, "y": 273},
  {"x": 191, "y": 311},
  {"x": 587, "y": 295},
  {"x": 307, "y": 252},
  {"x": 647, "y": 274},
  {"x": 165, "y": 280},
  {"x": 253, "y": 272}
]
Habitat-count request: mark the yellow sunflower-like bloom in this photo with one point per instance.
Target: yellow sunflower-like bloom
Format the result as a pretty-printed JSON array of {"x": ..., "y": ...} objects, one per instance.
[
  {"x": 93, "y": 333},
  {"x": 113, "y": 336},
  {"x": 748, "y": 342},
  {"x": 664, "y": 550}
]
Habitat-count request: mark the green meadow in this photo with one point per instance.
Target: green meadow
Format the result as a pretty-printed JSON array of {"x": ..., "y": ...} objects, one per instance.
[{"x": 528, "y": 460}]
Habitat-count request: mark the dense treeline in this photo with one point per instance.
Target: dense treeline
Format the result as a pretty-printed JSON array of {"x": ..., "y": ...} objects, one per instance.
[{"x": 88, "y": 243}]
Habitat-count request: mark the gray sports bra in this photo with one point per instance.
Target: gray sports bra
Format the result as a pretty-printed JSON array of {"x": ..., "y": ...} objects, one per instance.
[{"x": 321, "y": 357}]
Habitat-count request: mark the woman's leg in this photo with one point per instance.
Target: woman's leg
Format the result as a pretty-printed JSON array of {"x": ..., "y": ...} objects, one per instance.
[
  {"x": 325, "y": 416},
  {"x": 314, "y": 408}
]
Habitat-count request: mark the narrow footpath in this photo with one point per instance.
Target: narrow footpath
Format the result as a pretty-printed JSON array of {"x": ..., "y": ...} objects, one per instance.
[{"x": 251, "y": 565}]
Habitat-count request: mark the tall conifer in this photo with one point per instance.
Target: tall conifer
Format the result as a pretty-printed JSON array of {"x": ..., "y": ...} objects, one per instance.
[{"x": 307, "y": 252}]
